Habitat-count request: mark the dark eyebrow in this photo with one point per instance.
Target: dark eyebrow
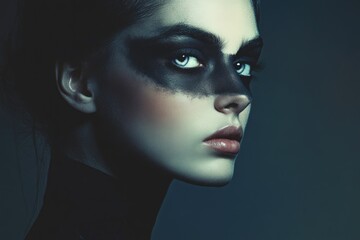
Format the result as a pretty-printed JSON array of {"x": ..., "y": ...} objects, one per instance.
[
  {"x": 248, "y": 46},
  {"x": 187, "y": 30},
  {"x": 255, "y": 43},
  {"x": 204, "y": 36}
]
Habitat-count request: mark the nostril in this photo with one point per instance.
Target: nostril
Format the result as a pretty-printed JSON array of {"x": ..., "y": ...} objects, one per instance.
[
  {"x": 232, "y": 106},
  {"x": 231, "y": 103}
]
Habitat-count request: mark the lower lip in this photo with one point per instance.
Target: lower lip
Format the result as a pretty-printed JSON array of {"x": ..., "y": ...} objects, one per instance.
[{"x": 224, "y": 145}]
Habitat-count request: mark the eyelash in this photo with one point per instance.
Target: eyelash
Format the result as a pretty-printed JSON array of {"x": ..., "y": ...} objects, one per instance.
[
  {"x": 187, "y": 53},
  {"x": 182, "y": 60},
  {"x": 176, "y": 62}
]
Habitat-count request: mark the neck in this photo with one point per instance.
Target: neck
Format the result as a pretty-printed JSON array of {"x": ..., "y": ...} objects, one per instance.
[{"x": 143, "y": 185}]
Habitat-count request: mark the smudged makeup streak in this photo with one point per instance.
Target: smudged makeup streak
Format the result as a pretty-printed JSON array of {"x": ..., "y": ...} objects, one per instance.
[{"x": 154, "y": 57}]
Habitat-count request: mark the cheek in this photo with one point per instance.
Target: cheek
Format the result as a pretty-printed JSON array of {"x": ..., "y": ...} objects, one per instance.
[
  {"x": 169, "y": 128},
  {"x": 130, "y": 98},
  {"x": 159, "y": 106}
]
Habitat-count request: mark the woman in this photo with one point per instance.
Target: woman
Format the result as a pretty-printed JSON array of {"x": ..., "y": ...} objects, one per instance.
[{"x": 130, "y": 95}]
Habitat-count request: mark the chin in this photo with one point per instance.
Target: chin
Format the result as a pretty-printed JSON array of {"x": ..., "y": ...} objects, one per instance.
[
  {"x": 216, "y": 174},
  {"x": 210, "y": 181}
]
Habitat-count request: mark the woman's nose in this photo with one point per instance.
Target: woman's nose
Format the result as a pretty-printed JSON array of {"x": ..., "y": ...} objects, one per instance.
[{"x": 231, "y": 103}]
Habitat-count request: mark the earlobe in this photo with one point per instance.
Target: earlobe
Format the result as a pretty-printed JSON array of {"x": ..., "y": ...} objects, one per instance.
[{"x": 74, "y": 88}]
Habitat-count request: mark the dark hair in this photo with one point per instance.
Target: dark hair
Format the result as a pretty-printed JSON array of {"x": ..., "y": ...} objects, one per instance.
[{"x": 54, "y": 31}]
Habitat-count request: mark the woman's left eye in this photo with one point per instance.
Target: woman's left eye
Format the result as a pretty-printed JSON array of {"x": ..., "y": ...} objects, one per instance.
[
  {"x": 185, "y": 61},
  {"x": 243, "y": 69}
]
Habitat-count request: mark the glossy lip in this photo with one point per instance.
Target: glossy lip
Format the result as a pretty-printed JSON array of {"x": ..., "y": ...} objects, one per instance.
[{"x": 226, "y": 140}]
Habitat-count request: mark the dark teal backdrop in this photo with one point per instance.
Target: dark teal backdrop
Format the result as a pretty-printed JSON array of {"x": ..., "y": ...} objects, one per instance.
[{"x": 298, "y": 173}]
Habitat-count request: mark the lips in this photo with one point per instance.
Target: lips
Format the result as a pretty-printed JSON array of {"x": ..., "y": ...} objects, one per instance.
[{"x": 226, "y": 140}]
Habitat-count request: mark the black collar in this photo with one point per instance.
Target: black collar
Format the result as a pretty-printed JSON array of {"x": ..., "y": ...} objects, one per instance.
[{"x": 83, "y": 203}]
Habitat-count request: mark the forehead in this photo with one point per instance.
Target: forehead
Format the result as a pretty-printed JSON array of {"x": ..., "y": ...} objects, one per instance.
[{"x": 233, "y": 21}]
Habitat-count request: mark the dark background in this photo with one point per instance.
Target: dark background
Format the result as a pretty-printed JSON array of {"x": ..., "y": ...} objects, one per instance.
[{"x": 298, "y": 173}]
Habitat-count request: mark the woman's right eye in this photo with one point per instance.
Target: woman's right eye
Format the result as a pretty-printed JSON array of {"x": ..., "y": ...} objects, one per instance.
[{"x": 186, "y": 61}]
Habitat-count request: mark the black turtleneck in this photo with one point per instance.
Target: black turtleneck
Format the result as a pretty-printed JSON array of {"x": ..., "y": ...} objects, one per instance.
[{"x": 84, "y": 203}]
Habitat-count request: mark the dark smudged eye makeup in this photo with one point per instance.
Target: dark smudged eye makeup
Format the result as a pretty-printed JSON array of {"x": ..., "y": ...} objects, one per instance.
[
  {"x": 185, "y": 61},
  {"x": 183, "y": 57}
]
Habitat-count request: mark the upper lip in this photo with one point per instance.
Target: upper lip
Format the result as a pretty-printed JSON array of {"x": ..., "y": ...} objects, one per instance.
[{"x": 228, "y": 132}]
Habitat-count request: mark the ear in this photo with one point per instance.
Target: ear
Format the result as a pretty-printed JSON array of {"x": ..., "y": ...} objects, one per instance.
[{"x": 74, "y": 87}]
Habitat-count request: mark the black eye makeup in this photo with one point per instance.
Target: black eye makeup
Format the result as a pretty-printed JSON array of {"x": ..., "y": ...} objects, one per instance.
[
  {"x": 246, "y": 59},
  {"x": 183, "y": 58}
]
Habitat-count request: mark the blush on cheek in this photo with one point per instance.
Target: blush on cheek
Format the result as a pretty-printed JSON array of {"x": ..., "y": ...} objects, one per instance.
[
  {"x": 161, "y": 106},
  {"x": 136, "y": 97}
]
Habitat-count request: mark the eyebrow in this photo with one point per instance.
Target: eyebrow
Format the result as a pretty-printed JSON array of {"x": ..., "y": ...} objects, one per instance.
[
  {"x": 204, "y": 36},
  {"x": 255, "y": 43},
  {"x": 193, "y": 32}
]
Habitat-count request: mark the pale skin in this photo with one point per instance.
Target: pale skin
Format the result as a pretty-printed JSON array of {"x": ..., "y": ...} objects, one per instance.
[{"x": 166, "y": 124}]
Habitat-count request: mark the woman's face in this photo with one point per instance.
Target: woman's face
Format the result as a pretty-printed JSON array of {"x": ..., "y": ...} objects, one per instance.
[{"x": 177, "y": 77}]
